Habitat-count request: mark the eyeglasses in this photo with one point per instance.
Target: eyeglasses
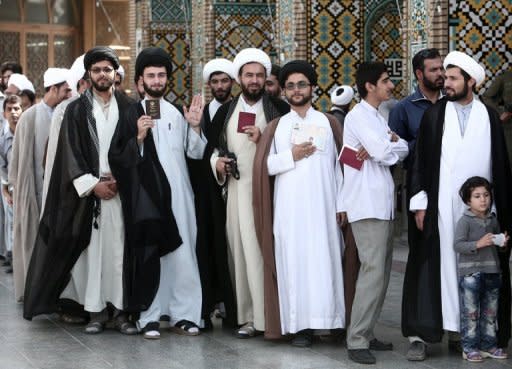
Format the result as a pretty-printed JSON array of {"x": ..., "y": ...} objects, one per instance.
[
  {"x": 98, "y": 70},
  {"x": 300, "y": 85}
]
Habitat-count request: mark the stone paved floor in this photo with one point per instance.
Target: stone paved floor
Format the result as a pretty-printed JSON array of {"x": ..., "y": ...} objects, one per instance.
[{"x": 46, "y": 343}]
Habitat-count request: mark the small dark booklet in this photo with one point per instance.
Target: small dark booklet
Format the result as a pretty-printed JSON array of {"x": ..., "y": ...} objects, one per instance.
[
  {"x": 348, "y": 156},
  {"x": 153, "y": 108},
  {"x": 244, "y": 120}
]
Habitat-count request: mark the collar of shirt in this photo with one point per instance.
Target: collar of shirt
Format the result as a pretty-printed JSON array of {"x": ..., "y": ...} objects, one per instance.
[
  {"x": 418, "y": 95},
  {"x": 213, "y": 107},
  {"x": 250, "y": 108},
  {"x": 48, "y": 108},
  {"x": 370, "y": 108},
  {"x": 104, "y": 105},
  {"x": 309, "y": 112}
]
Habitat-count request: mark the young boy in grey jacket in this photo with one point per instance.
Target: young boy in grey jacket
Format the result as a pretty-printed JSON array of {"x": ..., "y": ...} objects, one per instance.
[{"x": 477, "y": 236}]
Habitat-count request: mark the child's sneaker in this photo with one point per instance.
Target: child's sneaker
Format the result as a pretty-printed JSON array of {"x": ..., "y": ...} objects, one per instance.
[
  {"x": 495, "y": 353},
  {"x": 473, "y": 356}
]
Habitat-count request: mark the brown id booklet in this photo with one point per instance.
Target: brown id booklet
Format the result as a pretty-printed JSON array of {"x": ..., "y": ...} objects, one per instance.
[
  {"x": 153, "y": 108},
  {"x": 244, "y": 120},
  {"x": 348, "y": 157}
]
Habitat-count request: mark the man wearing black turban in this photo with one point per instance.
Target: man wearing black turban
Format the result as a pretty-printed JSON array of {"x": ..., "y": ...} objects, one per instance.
[
  {"x": 298, "y": 227},
  {"x": 166, "y": 139},
  {"x": 90, "y": 248}
]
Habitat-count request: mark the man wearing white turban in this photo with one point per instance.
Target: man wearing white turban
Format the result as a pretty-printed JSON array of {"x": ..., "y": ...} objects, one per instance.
[
  {"x": 227, "y": 136},
  {"x": 341, "y": 97},
  {"x": 78, "y": 82},
  {"x": 211, "y": 245},
  {"x": 27, "y": 170},
  {"x": 458, "y": 138}
]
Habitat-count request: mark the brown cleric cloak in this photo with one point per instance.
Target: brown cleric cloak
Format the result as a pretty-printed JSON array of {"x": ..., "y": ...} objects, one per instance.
[{"x": 263, "y": 188}]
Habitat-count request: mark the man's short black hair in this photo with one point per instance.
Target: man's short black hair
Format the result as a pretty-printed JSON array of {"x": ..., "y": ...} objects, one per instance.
[
  {"x": 12, "y": 66},
  {"x": 12, "y": 99},
  {"x": 472, "y": 183},
  {"x": 369, "y": 72},
  {"x": 275, "y": 70},
  {"x": 46, "y": 89},
  {"x": 418, "y": 61},
  {"x": 31, "y": 96}
]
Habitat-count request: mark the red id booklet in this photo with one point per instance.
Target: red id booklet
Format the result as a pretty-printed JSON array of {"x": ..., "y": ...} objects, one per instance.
[
  {"x": 244, "y": 120},
  {"x": 348, "y": 157}
]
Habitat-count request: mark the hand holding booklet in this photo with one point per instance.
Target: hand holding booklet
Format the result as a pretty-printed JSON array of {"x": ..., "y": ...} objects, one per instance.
[
  {"x": 309, "y": 133},
  {"x": 348, "y": 156}
]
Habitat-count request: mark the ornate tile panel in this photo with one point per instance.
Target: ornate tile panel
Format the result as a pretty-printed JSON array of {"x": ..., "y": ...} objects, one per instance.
[
  {"x": 334, "y": 44},
  {"x": 484, "y": 31}
]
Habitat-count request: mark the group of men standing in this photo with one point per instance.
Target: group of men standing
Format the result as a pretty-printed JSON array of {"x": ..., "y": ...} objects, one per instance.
[{"x": 138, "y": 212}]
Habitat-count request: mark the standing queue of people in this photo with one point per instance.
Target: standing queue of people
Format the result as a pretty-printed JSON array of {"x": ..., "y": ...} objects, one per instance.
[{"x": 130, "y": 213}]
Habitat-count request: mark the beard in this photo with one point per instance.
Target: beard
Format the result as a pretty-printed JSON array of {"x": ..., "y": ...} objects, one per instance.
[
  {"x": 303, "y": 101},
  {"x": 457, "y": 96},
  {"x": 102, "y": 87},
  {"x": 252, "y": 96},
  {"x": 154, "y": 92},
  {"x": 434, "y": 85},
  {"x": 221, "y": 95}
]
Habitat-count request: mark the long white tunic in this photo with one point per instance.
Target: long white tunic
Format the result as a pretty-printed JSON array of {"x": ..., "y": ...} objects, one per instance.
[
  {"x": 179, "y": 293},
  {"x": 462, "y": 156},
  {"x": 26, "y": 176},
  {"x": 97, "y": 276},
  {"x": 244, "y": 250},
  {"x": 307, "y": 196}
]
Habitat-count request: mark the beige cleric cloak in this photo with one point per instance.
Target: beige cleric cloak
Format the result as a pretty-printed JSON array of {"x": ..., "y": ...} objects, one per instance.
[
  {"x": 263, "y": 187},
  {"x": 26, "y": 175}
]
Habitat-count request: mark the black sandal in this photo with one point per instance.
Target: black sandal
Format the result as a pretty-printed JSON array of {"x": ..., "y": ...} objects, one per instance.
[{"x": 186, "y": 328}]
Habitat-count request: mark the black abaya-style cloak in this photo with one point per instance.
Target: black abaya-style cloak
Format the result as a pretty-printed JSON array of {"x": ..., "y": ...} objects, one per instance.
[{"x": 421, "y": 304}]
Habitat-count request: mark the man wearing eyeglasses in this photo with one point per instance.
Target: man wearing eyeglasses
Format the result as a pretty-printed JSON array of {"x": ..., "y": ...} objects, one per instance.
[
  {"x": 81, "y": 253},
  {"x": 27, "y": 170},
  {"x": 300, "y": 151}
]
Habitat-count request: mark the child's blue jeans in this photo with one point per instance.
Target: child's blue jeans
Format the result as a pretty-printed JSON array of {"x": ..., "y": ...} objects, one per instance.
[{"x": 479, "y": 303}]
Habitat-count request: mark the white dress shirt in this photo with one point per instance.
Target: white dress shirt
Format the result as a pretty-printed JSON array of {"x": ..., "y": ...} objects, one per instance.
[{"x": 369, "y": 192}]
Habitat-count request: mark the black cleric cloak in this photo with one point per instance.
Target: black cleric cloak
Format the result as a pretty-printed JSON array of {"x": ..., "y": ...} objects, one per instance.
[
  {"x": 65, "y": 227},
  {"x": 421, "y": 304}
]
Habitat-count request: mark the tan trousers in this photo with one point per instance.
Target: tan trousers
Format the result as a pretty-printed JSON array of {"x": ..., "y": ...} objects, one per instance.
[{"x": 373, "y": 241}]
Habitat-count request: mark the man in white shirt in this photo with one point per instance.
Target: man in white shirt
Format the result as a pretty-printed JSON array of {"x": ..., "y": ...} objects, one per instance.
[{"x": 368, "y": 201}]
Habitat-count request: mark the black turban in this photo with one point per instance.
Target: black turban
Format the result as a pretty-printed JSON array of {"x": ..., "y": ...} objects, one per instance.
[
  {"x": 153, "y": 57},
  {"x": 297, "y": 66},
  {"x": 100, "y": 53}
]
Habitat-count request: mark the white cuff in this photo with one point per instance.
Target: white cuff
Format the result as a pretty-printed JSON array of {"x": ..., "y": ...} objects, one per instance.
[
  {"x": 85, "y": 184},
  {"x": 419, "y": 201}
]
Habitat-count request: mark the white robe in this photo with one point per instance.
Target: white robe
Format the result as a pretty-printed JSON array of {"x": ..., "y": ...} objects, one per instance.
[
  {"x": 51, "y": 148},
  {"x": 97, "y": 276},
  {"x": 179, "y": 292},
  {"x": 461, "y": 157},
  {"x": 26, "y": 176},
  {"x": 308, "y": 243}
]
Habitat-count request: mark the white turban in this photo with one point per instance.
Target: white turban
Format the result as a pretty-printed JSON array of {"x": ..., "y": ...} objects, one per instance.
[
  {"x": 251, "y": 55},
  {"x": 467, "y": 64},
  {"x": 54, "y": 76},
  {"x": 21, "y": 82},
  {"x": 342, "y": 95},
  {"x": 120, "y": 71},
  {"x": 219, "y": 65},
  {"x": 76, "y": 73}
]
